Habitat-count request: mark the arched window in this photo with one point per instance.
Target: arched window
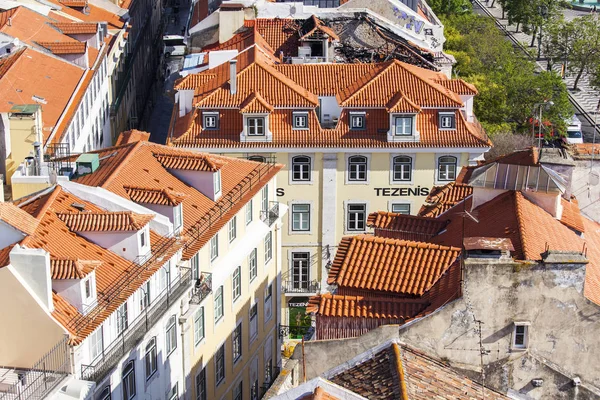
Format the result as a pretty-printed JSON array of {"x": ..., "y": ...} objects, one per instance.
[
  {"x": 447, "y": 168},
  {"x": 150, "y": 358},
  {"x": 402, "y": 168},
  {"x": 257, "y": 158},
  {"x": 105, "y": 393},
  {"x": 357, "y": 168},
  {"x": 301, "y": 168},
  {"x": 129, "y": 381}
]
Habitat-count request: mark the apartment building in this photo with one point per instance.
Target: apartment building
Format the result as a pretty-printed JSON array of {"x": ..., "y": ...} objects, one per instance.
[
  {"x": 54, "y": 84},
  {"x": 355, "y": 138},
  {"x": 161, "y": 266}
]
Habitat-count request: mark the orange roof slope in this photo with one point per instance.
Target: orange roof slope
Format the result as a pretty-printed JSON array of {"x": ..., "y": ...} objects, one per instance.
[
  {"x": 427, "y": 227},
  {"x": 17, "y": 218},
  {"x": 442, "y": 198},
  {"x": 329, "y": 305},
  {"x": 255, "y": 103},
  {"x": 30, "y": 27},
  {"x": 390, "y": 265},
  {"x": 67, "y": 268},
  {"x": 571, "y": 215},
  {"x": 187, "y": 161},
  {"x": 132, "y": 136},
  {"x": 34, "y": 73},
  {"x": 319, "y": 394},
  {"x": 398, "y": 372},
  {"x": 105, "y": 221},
  {"x": 93, "y": 14},
  {"x": 64, "y": 48},
  {"x": 76, "y": 28},
  {"x": 163, "y": 197}
]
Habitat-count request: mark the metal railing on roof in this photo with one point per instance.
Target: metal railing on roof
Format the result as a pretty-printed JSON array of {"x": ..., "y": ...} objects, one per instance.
[
  {"x": 136, "y": 329},
  {"x": 39, "y": 380}
]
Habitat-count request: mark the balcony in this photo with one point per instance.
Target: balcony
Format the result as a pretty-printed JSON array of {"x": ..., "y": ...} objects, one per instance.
[
  {"x": 300, "y": 287},
  {"x": 202, "y": 288},
  {"x": 271, "y": 215},
  {"x": 136, "y": 330}
]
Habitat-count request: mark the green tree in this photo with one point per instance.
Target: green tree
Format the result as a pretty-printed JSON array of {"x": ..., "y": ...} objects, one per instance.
[{"x": 450, "y": 7}]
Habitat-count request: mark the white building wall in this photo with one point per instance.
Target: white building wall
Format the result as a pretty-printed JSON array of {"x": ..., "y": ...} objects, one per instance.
[{"x": 9, "y": 235}]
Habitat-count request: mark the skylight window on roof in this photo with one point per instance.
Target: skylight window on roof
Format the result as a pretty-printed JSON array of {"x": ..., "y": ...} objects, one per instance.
[{"x": 358, "y": 121}]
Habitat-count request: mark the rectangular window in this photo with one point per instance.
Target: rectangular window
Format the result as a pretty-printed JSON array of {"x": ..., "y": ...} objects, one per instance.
[
  {"x": 254, "y": 391},
  {"x": 301, "y": 168},
  {"x": 300, "y": 270},
  {"x": 171, "y": 334},
  {"x": 256, "y": 126},
  {"x": 122, "y": 321},
  {"x": 357, "y": 168},
  {"x": 447, "y": 121},
  {"x": 253, "y": 321},
  {"x": 220, "y": 365},
  {"x": 199, "y": 325},
  {"x": 201, "y": 385},
  {"x": 269, "y": 370},
  {"x": 144, "y": 294},
  {"x": 236, "y": 283},
  {"x": 357, "y": 121},
  {"x": 211, "y": 120},
  {"x": 174, "y": 393},
  {"x": 96, "y": 343},
  {"x": 249, "y": 212},
  {"x": 214, "y": 247},
  {"x": 195, "y": 266},
  {"x": 88, "y": 289},
  {"x": 268, "y": 302},
  {"x": 236, "y": 341},
  {"x": 150, "y": 358},
  {"x": 237, "y": 391},
  {"x": 217, "y": 182},
  {"x": 447, "y": 168},
  {"x": 403, "y": 126},
  {"x": 520, "y": 336},
  {"x": 300, "y": 120},
  {"x": 232, "y": 229},
  {"x": 219, "y": 304},
  {"x": 163, "y": 277},
  {"x": 265, "y": 198},
  {"x": 300, "y": 217},
  {"x": 177, "y": 217},
  {"x": 142, "y": 239},
  {"x": 401, "y": 208},
  {"x": 252, "y": 265},
  {"x": 356, "y": 218},
  {"x": 268, "y": 247},
  {"x": 402, "y": 168}
]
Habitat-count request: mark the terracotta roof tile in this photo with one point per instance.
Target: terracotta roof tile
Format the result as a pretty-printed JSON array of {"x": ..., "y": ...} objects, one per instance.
[
  {"x": 105, "y": 221},
  {"x": 61, "y": 129},
  {"x": 93, "y": 14},
  {"x": 255, "y": 103},
  {"x": 5, "y": 255},
  {"x": 68, "y": 268},
  {"x": 74, "y": 3},
  {"x": 188, "y": 161},
  {"x": 192, "y": 81},
  {"x": 30, "y": 27},
  {"x": 5, "y": 15},
  {"x": 282, "y": 35},
  {"x": 17, "y": 218},
  {"x": 390, "y": 265},
  {"x": 402, "y": 104},
  {"x": 329, "y": 305},
  {"x": 398, "y": 372},
  {"x": 64, "y": 47},
  {"x": 571, "y": 215},
  {"x": 459, "y": 86},
  {"x": 76, "y": 28},
  {"x": 585, "y": 149},
  {"x": 413, "y": 227},
  {"x": 319, "y": 394},
  {"x": 132, "y": 136},
  {"x": 313, "y": 24},
  {"x": 163, "y": 197},
  {"x": 442, "y": 198}
]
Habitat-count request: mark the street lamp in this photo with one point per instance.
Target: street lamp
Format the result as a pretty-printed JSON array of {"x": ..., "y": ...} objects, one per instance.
[
  {"x": 543, "y": 11},
  {"x": 546, "y": 104}
]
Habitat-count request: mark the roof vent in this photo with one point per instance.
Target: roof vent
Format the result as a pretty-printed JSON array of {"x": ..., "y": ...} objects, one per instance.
[
  {"x": 78, "y": 206},
  {"x": 87, "y": 163},
  {"x": 232, "y": 76}
]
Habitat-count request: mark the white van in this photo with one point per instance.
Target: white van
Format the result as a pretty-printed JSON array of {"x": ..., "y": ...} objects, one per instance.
[
  {"x": 574, "y": 134},
  {"x": 174, "y": 45}
]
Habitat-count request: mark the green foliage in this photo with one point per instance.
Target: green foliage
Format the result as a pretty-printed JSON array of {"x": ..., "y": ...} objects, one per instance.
[
  {"x": 450, "y": 7},
  {"x": 508, "y": 83}
]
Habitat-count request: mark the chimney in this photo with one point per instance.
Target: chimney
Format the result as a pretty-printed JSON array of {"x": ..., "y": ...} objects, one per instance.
[
  {"x": 232, "y": 76},
  {"x": 37, "y": 153}
]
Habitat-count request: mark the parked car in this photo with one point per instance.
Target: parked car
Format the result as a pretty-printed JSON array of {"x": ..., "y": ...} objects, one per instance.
[
  {"x": 574, "y": 131},
  {"x": 174, "y": 45}
]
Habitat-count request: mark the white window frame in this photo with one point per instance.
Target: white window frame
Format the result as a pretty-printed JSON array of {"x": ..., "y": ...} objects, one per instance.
[
  {"x": 253, "y": 319},
  {"x": 304, "y": 169},
  {"x": 128, "y": 381},
  {"x": 171, "y": 335},
  {"x": 236, "y": 343},
  {"x": 354, "y": 123},
  {"x": 439, "y": 166},
  {"x": 252, "y": 124},
  {"x": 349, "y": 172},
  {"x": 408, "y": 181},
  {"x": 238, "y": 391},
  {"x": 442, "y": 117},
  {"x": 210, "y": 120},
  {"x": 177, "y": 217},
  {"x": 300, "y": 120},
  {"x": 302, "y": 217},
  {"x": 249, "y": 212},
  {"x": 214, "y": 247},
  {"x": 268, "y": 247},
  {"x": 232, "y": 229},
  {"x": 122, "y": 318},
  {"x": 219, "y": 309},
  {"x": 268, "y": 311},
  {"x": 302, "y": 278},
  {"x": 217, "y": 182},
  {"x": 264, "y": 198},
  {"x": 201, "y": 385},
  {"x": 174, "y": 392},
  {"x": 347, "y": 205},
  {"x": 409, "y": 205},
  {"x": 199, "y": 326},
  {"x": 220, "y": 371},
  {"x": 236, "y": 284},
  {"x": 96, "y": 343},
  {"x": 407, "y": 121},
  {"x": 253, "y": 264},
  {"x": 525, "y": 335},
  {"x": 150, "y": 358}
]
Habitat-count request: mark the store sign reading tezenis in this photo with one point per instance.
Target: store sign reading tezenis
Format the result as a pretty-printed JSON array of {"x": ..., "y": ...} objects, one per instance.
[{"x": 400, "y": 192}]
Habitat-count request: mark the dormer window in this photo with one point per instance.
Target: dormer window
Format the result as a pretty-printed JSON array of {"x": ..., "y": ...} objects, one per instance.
[
  {"x": 447, "y": 120},
  {"x": 358, "y": 121},
  {"x": 143, "y": 238},
  {"x": 217, "y": 182},
  {"x": 256, "y": 126},
  {"x": 177, "y": 217},
  {"x": 403, "y": 125},
  {"x": 300, "y": 120},
  {"x": 88, "y": 288},
  {"x": 210, "y": 120}
]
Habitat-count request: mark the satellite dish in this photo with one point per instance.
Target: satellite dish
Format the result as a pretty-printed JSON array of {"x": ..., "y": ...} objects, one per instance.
[{"x": 594, "y": 178}]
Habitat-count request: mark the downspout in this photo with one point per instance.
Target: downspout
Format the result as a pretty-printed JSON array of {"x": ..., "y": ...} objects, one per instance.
[{"x": 183, "y": 376}]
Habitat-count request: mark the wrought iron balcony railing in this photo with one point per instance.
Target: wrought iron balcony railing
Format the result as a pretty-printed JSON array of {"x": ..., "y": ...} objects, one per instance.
[
  {"x": 274, "y": 373},
  {"x": 300, "y": 286},
  {"x": 270, "y": 216},
  {"x": 202, "y": 288},
  {"x": 136, "y": 330}
]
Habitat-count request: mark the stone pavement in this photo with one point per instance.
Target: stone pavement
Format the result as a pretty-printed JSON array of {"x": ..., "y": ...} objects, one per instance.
[{"x": 586, "y": 97}]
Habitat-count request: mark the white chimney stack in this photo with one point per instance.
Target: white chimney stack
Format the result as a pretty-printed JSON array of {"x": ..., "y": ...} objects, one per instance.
[{"x": 232, "y": 76}]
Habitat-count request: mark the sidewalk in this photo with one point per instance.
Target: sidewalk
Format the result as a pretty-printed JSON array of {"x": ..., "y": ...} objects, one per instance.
[{"x": 585, "y": 97}]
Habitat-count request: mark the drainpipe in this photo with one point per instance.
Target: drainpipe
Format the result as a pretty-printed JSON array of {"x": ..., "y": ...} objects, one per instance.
[{"x": 183, "y": 376}]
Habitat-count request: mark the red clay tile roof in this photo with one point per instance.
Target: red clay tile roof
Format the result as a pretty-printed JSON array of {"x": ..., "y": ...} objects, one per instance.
[
  {"x": 105, "y": 221},
  {"x": 319, "y": 394},
  {"x": 402, "y": 104},
  {"x": 76, "y": 28},
  {"x": 5, "y": 15},
  {"x": 192, "y": 81},
  {"x": 93, "y": 14},
  {"x": 5, "y": 255},
  {"x": 255, "y": 103},
  {"x": 64, "y": 47},
  {"x": 17, "y": 218},
  {"x": 8, "y": 60},
  {"x": 282, "y": 35},
  {"x": 407, "y": 224},
  {"x": 132, "y": 136},
  {"x": 442, "y": 198},
  {"x": 68, "y": 268},
  {"x": 313, "y": 24},
  {"x": 73, "y": 3},
  {"x": 584, "y": 150},
  {"x": 459, "y": 86},
  {"x": 30, "y": 27},
  {"x": 398, "y": 372},
  {"x": 187, "y": 161},
  {"x": 163, "y": 197},
  {"x": 329, "y": 305},
  {"x": 571, "y": 215},
  {"x": 61, "y": 129},
  {"x": 390, "y": 265}
]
